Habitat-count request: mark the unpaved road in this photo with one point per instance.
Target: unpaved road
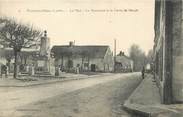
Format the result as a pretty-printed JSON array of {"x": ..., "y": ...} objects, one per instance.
[{"x": 93, "y": 97}]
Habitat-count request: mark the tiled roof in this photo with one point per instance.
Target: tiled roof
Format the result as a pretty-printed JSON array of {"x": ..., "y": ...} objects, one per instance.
[{"x": 92, "y": 51}]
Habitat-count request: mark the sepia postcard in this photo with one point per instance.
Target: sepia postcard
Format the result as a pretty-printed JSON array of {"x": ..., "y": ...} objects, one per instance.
[{"x": 91, "y": 58}]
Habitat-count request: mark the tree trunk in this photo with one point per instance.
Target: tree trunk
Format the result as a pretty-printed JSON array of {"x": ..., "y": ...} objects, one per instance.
[
  {"x": 15, "y": 65},
  {"x": 21, "y": 59},
  {"x": 88, "y": 63},
  {"x": 9, "y": 61},
  {"x": 82, "y": 66}
]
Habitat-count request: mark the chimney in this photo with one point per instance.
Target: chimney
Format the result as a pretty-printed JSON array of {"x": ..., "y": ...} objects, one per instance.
[
  {"x": 45, "y": 33},
  {"x": 121, "y": 53},
  {"x": 71, "y": 43}
]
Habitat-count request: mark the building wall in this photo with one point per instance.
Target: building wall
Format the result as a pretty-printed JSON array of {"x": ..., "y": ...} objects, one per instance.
[
  {"x": 78, "y": 61},
  {"x": 159, "y": 44},
  {"x": 177, "y": 36},
  {"x": 168, "y": 49},
  {"x": 102, "y": 64},
  {"x": 108, "y": 61},
  {"x": 123, "y": 64}
]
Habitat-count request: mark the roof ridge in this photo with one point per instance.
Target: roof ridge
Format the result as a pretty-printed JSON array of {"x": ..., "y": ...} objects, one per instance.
[{"x": 82, "y": 45}]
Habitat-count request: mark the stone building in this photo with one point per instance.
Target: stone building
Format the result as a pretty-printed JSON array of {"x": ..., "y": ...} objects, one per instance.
[
  {"x": 123, "y": 63},
  {"x": 87, "y": 58},
  {"x": 168, "y": 49}
]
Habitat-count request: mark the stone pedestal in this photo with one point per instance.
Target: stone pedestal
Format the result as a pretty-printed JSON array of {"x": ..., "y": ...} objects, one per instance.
[
  {"x": 31, "y": 70},
  {"x": 57, "y": 71},
  {"x": 77, "y": 70}
]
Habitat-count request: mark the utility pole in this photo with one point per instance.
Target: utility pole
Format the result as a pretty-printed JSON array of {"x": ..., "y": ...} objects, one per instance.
[{"x": 114, "y": 55}]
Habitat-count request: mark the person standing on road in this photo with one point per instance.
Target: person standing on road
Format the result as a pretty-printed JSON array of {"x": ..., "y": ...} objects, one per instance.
[{"x": 143, "y": 72}]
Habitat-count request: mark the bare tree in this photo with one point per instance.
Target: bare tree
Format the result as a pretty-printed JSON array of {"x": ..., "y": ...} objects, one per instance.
[
  {"x": 138, "y": 56},
  {"x": 17, "y": 36},
  {"x": 150, "y": 56}
]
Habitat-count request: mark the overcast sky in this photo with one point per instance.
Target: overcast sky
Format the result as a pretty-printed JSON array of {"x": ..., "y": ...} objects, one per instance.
[{"x": 88, "y": 22}]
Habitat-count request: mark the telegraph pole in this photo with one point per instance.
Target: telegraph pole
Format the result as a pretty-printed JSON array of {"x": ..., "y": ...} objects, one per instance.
[{"x": 114, "y": 55}]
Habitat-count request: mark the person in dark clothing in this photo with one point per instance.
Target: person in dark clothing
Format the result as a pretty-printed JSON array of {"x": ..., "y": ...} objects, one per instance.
[
  {"x": 143, "y": 72},
  {"x": 4, "y": 70}
]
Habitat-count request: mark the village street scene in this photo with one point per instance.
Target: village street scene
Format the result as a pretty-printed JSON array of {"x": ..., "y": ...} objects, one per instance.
[{"x": 76, "y": 59}]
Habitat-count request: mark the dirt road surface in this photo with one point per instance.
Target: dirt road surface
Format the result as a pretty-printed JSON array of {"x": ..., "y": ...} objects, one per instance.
[{"x": 92, "y": 97}]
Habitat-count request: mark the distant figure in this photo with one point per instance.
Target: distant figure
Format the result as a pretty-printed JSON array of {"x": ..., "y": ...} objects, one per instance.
[
  {"x": 1, "y": 71},
  {"x": 4, "y": 70},
  {"x": 77, "y": 68},
  {"x": 61, "y": 68},
  {"x": 143, "y": 72}
]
